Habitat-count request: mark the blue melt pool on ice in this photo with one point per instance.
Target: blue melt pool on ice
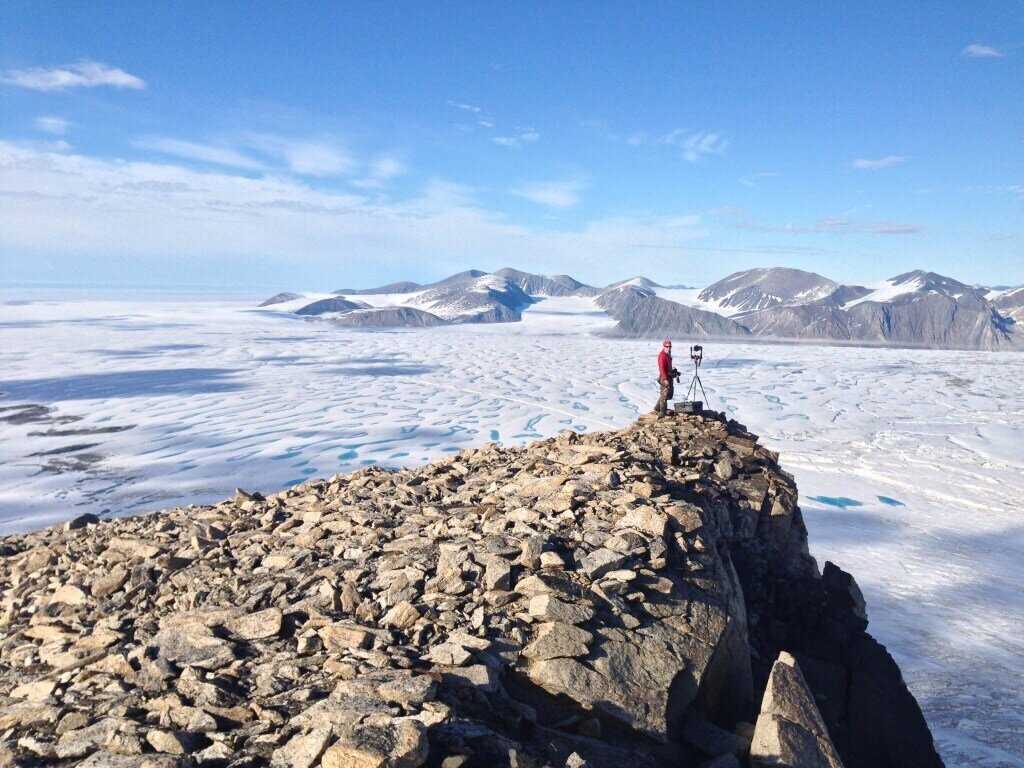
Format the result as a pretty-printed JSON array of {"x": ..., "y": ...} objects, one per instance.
[
  {"x": 891, "y": 501},
  {"x": 842, "y": 502}
]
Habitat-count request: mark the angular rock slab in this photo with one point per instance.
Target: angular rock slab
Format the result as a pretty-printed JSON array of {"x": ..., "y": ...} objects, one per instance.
[{"x": 789, "y": 731}]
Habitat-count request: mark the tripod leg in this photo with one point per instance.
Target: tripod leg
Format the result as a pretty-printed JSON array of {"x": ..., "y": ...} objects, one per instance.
[{"x": 705, "y": 394}]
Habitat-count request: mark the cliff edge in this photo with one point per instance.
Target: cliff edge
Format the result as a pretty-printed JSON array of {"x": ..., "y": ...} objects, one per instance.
[{"x": 642, "y": 597}]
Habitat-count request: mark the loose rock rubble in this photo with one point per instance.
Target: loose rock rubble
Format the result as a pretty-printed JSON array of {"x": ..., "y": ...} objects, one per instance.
[{"x": 605, "y": 599}]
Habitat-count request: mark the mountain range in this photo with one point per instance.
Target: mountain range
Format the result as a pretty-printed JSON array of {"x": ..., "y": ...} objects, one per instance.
[{"x": 917, "y": 309}]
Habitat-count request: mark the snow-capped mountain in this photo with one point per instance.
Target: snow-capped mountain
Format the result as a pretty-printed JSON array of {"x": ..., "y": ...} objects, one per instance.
[
  {"x": 638, "y": 280},
  {"x": 468, "y": 297},
  {"x": 916, "y": 308},
  {"x": 1010, "y": 302},
  {"x": 755, "y": 289},
  {"x": 473, "y": 299},
  {"x": 545, "y": 285}
]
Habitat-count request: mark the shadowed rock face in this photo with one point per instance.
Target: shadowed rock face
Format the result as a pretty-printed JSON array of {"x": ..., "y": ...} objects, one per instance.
[
  {"x": 390, "y": 317},
  {"x": 641, "y": 313},
  {"x": 928, "y": 317},
  {"x": 606, "y": 599}
]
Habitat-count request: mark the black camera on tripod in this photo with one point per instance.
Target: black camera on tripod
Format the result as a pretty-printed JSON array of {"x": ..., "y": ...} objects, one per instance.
[{"x": 691, "y": 405}]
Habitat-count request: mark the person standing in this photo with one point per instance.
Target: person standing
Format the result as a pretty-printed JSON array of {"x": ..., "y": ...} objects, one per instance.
[{"x": 666, "y": 378}]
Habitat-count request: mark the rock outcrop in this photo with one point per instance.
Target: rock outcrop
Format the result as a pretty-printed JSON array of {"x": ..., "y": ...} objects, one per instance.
[{"x": 604, "y": 599}]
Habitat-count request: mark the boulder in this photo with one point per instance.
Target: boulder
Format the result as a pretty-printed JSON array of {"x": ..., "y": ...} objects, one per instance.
[
  {"x": 303, "y": 750},
  {"x": 396, "y": 743}
]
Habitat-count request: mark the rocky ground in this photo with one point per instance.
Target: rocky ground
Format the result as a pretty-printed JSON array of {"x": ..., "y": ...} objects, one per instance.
[{"x": 641, "y": 597}]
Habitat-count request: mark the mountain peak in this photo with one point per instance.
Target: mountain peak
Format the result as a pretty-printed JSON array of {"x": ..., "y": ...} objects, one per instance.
[
  {"x": 922, "y": 280},
  {"x": 763, "y": 287}
]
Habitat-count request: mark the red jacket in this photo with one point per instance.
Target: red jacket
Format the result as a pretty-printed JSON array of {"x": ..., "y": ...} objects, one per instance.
[{"x": 664, "y": 365}]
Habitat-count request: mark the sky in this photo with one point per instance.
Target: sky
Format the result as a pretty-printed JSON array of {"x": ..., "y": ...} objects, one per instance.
[{"x": 313, "y": 145}]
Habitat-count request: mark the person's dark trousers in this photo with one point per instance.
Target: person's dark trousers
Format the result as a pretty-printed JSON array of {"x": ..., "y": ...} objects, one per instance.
[{"x": 667, "y": 392}]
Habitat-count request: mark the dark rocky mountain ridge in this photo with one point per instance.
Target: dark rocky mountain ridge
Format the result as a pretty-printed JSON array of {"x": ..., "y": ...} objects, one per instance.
[
  {"x": 640, "y": 312},
  {"x": 914, "y": 309}
]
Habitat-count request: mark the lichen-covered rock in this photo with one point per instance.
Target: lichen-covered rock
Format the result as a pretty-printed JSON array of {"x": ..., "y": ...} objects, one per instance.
[{"x": 600, "y": 599}]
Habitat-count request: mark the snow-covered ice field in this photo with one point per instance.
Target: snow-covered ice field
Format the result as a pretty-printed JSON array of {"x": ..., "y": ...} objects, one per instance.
[{"x": 910, "y": 463}]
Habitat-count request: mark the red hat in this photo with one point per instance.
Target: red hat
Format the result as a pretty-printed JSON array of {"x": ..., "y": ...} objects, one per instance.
[{"x": 667, "y": 343}]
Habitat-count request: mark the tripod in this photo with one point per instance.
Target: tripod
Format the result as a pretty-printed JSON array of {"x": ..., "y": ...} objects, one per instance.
[{"x": 696, "y": 355}]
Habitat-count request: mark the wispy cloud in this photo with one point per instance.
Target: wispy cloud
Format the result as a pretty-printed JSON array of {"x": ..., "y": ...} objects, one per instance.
[
  {"x": 43, "y": 145},
  {"x": 381, "y": 171},
  {"x": 517, "y": 140},
  {"x": 204, "y": 153},
  {"x": 888, "y": 161},
  {"x": 83, "y": 74},
  {"x": 306, "y": 157},
  {"x": 553, "y": 194},
  {"x": 695, "y": 146},
  {"x": 465, "y": 107},
  {"x": 979, "y": 51},
  {"x": 828, "y": 225},
  {"x": 89, "y": 208},
  {"x": 321, "y": 158},
  {"x": 58, "y": 126},
  {"x": 893, "y": 228}
]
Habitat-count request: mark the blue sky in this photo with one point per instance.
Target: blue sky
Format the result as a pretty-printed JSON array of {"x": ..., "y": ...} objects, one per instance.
[{"x": 303, "y": 145}]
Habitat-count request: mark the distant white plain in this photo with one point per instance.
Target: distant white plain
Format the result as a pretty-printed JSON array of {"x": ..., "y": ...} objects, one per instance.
[{"x": 910, "y": 463}]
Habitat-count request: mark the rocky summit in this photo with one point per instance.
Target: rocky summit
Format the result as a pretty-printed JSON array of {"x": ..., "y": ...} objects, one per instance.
[{"x": 642, "y": 597}]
